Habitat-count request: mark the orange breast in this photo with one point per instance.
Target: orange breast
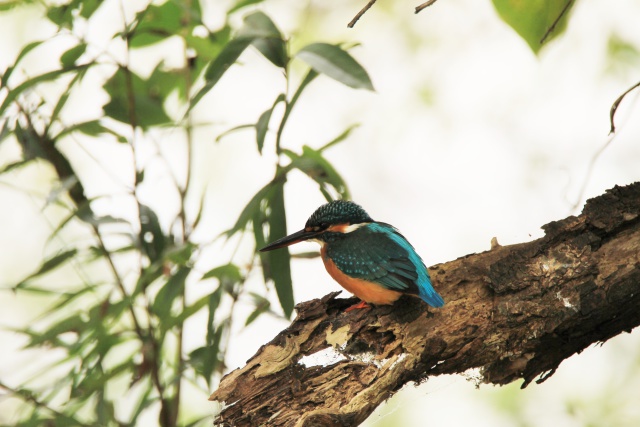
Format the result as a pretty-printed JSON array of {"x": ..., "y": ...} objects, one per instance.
[{"x": 363, "y": 289}]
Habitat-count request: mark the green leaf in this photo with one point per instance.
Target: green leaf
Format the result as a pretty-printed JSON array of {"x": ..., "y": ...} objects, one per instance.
[
  {"x": 25, "y": 50},
  {"x": 240, "y": 4},
  {"x": 187, "y": 312},
  {"x": 256, "y": 26},
  {"x": 10, "y": 4},
  {"x": 336, "y": 63},
  {"x": 152, "y": 239},
  {"x": 15, "y": 165},
  {"x": 143, "y": 402},
  {"x": 252, "y": 207},
  {"x": 258, "y": 221},
  {"x": 205, "y": 360},
  {"x": 50, "y": 336},
  {"x": 156, "y": 23},
  {"x": 149, "y": 275},
  {"x": 263, "y": 123},
  {"x": 61, "y": 15},
  {"x": 227, "y": 275},
  {"x": 280, "y": 260},
  {"x": 316, "y": 167},
  {"x": 49, "y": 265},
  {"x": 69, "y": 58},
  {"x": 536, "y": 21},
  {"x": 262, "y": 305},
  {"x": 89, "y": 128},
  {"x": 146, "y": 96},
  {"x": 181, "y": 254},
  {"x": 219, "y": 66},
  {"x": 198, "y": 217},
  {"x": 270, "y": 43},
  {"x": 233, "y": 130},
  {"x": 214, "y": 302},
  {"x": 338, "y": 139},
  {"x": 170, "y": 292},
  {"x": 51, "y": 75}
]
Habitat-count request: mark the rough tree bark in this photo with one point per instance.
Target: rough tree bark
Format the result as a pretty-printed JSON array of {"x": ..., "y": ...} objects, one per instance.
[{"x": 514, "y": 312}]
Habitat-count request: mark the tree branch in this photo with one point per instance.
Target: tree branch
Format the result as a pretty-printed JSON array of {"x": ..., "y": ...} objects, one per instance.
[{"x": 514, "y": 312}]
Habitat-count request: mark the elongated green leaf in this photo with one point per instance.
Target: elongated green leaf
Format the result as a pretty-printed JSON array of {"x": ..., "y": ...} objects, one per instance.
[
  {"x": 219, "y": 66},
  {"x": 252, "y": 207},
  {"x": 187, "y": 312},
  {"x": 261, "y": 128},
  {"x": 263, "y": 123},
  {"x": 280, "y": 260},
  {"x": 233, "y": 130},
  {"x": 258, "y": 222},
  {"x": 50, "y": 336},
  {"x": 156, "y": 23},
  {"x": 90, "y": 128},
  {"x": 60, "y": 104},
  {"x": 262, "y": 305},
  {"x": 14, "y": 165},
  {"x": 240, "y": 4},
  {"x": 338, "y": 139},
  {"x": 139, "y": 100},
  {"x": 535, "y": 21},
  {"x": 152, "y": 238},
  {"x": 25, "y": 50},
  {"x": 205, "y": 360},
  {"x": 256, "y": 26},
  {"x": 169, "y": 293},
  {"x": 49, "y": 265},
  {"x": 69, "y": 58},
  {"x": 143, "y": 402},
  {"x": 316, "y": 167},
  {"x": 51, "y": 75},
  {"x": 270, "y": 43},
  {"x": 227, "y": 275},
  {"x": 336, "y": 63}
]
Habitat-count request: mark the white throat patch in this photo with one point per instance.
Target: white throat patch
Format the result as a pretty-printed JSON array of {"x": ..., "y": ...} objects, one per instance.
[{"x": 354, "y": 227}]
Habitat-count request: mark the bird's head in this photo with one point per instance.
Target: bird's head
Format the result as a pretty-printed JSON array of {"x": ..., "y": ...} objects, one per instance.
[{"x": 339, "y": 216}]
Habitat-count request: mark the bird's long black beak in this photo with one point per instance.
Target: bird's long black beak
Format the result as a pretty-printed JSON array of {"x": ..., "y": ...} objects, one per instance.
[{"x": 296, "y": 237}]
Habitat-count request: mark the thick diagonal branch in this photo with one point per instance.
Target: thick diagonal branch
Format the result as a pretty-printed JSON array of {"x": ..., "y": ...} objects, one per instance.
[{"x": 514, "y": 312}]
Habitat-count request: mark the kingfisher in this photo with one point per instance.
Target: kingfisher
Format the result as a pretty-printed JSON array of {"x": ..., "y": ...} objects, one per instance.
[{"x": 368, "y": 258}]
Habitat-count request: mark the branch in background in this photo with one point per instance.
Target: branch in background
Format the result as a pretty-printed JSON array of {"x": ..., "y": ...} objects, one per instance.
[
  {"x": 371, "y": 2},
  {"x": 424, "y": 5},
  {"x": 616, "y": 104},
  {"x": 359, "y": 14},
  {"x": 514, "y": 312}
]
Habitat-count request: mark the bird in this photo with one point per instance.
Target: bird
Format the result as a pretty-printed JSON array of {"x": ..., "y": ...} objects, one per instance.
[{"x": 368, "y": 258}]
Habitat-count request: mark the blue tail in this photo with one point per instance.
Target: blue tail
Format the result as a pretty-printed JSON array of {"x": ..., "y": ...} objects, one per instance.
[{"x": 428, "y": 294}]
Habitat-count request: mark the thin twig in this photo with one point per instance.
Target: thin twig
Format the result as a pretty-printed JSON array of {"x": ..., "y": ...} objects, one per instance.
[
  {"x": 616, "y": 104},
  {"x": 552, "y": 27},
  {"x": 425, "y": 5},
  {"x": 359, "y": 14}
]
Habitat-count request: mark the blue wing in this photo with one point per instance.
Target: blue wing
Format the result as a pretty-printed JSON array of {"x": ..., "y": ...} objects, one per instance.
[{"x": 378, "y": 253}]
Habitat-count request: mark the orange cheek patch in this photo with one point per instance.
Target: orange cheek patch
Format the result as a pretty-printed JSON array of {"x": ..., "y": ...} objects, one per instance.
[
  {"x": 338, "y": 228},
  {"x": 366, "y": 291}
]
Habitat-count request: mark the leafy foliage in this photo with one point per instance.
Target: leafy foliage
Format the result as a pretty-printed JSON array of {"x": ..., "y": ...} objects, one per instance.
[{"x": 126, "y": 327}]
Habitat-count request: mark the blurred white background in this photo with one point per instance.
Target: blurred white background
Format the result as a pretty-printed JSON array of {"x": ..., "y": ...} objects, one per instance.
[{"x": 468, "y": 136}]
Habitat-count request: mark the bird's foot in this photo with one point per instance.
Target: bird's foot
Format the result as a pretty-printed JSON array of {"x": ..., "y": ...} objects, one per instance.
[{"x": 361, "y": 304}]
